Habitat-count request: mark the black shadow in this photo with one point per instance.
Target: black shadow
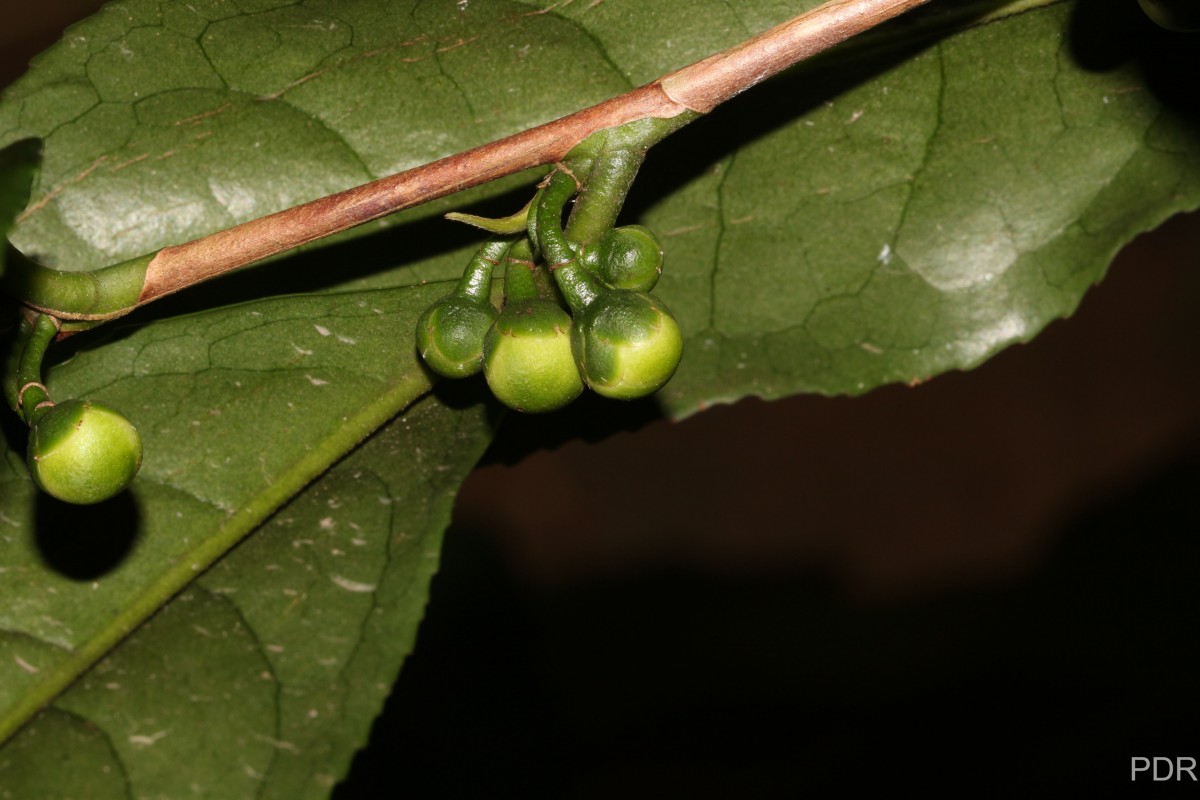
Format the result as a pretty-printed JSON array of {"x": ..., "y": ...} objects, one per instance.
[
  {"x": 86, "y": 542},
  {"x": 1105, "y": 35}
]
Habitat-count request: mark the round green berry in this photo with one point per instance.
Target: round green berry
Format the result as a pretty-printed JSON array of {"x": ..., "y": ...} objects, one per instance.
[
  {"x": 527, "y": 357},
  {"x": 629, "y": 257},
  {"x": 83, "y": 452},
  {"x": 450, "y": 335},
  {"x": 627, "y": 344}
]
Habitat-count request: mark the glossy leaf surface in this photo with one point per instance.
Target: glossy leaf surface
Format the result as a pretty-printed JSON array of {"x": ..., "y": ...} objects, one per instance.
[{"x": 886, "y": 214}]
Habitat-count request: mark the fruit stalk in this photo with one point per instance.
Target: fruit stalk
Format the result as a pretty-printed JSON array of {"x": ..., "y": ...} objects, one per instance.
[{"x": 33, "y": 400}]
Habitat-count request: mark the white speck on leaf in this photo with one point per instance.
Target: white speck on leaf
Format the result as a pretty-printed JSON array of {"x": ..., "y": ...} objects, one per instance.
[
  {"x": 352, "y": 586},
  {"x": 316, "y": 381},
  {"x": 148, "y": 740},
  {"x": 277, "y": 743},
  {"x": 322, "y": 330},
  {"x": 885, "y": 255},
  {"x": 25, "y": 665}
]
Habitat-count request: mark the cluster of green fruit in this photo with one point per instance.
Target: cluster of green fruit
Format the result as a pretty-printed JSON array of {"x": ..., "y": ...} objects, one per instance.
[{"x": 573, "y": 314}]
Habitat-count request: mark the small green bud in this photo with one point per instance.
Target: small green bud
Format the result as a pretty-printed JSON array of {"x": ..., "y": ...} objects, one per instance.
[
  {"x": 629, "y": 257},
  {"x": 627, "y": 344},
  {"x": 450, "y": 335},
  {"x": 83, "y": 452},
  {"x": 527, "y": 357}
]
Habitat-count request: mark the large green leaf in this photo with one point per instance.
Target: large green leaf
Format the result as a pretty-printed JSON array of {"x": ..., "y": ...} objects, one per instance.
[
  {"x": 883, "y": 215},
  {"x": 264, "y": 676}
]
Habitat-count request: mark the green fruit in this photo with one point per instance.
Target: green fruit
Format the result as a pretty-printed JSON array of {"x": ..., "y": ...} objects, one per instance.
[
  {"x": 627, "y": 344},
  {"x": 83, "y": 452},
  {"x": 1178, "y": 15},
  {"x": 527, "y": 357},
  {"x": 450, "y": 335},
  {"x": 629, "y": 257}
]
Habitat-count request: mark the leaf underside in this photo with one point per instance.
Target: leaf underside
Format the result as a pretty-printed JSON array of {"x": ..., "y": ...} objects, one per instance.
[{"x": 882, "y": 215}]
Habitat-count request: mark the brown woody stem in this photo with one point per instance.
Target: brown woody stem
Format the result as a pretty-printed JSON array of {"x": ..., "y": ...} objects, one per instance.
[{"x": 681, "y": 95}]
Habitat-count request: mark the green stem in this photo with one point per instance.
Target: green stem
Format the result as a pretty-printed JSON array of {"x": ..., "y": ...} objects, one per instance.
[
  {"x": 576, "y": 284},
  {"x": 476, "y": 283},
  {"x": 596, "y": 208},
  {"x": 519, "y": 283},
  {"x": 95, "y": 295},
  {"x": 531, "y": 223},
  {"x": 615, "y": 157},
  {"x": 32, "y": 398},
  {"x": 12, "y": 361},
  {"x": 559, "y": 188}
]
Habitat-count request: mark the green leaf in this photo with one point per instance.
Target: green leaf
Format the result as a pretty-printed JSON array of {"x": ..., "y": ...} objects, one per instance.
[
  {"x": 263, "y": 677},
  {"x": 883, "y": 214},
  {"x": 917, "y": 222}
]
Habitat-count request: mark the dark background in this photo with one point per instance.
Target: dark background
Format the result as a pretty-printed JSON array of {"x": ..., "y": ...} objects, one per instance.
[{"x": 987, "y": 582}]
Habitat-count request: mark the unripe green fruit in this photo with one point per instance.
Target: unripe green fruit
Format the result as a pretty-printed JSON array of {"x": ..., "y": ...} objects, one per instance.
[
  {"x": 527, "y": 357},
  {"x": 1178, "y": 15},
  {"x": 627, "y": 344},
  {"x": 629, "y": 257},
  {"x": 450, "y": 335},
  {"x": 83, "y": 452}
]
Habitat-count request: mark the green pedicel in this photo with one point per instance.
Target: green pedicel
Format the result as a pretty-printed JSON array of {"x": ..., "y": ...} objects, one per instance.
[
  {"x": 450, "y": 333},
  {"x": 79, "y": 452}
]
